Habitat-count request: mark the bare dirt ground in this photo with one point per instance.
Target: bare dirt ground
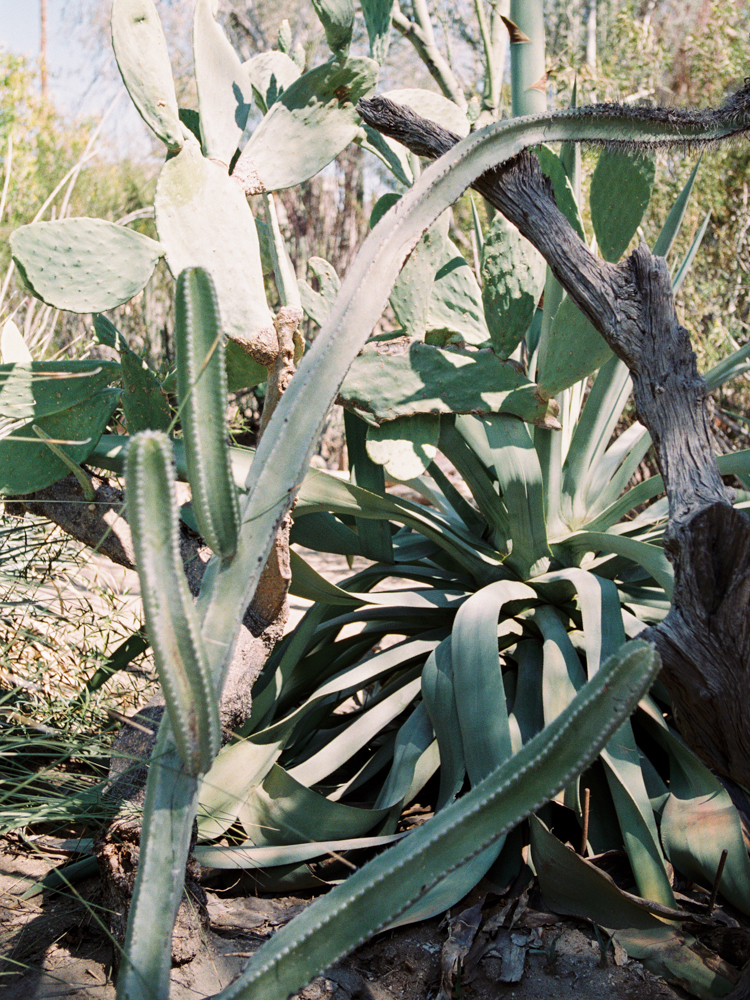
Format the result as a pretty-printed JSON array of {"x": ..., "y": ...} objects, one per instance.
[{"x": 55, "y": 944}]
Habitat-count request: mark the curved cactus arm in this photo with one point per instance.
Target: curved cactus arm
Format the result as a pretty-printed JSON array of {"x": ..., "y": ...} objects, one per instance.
[
  {"x": 382, "y": 890},
  {"x": 202, "y": 390},
  {"x": 179, "y": 652}
]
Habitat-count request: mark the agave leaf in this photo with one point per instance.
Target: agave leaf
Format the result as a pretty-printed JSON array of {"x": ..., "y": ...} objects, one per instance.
[
  {"x": 358, "y": 733},
  {"x": 413, "y": 742},
  {"x": 374, "y": 535},
  {"x": 620, "y": 192},
  {"x": 342, "y": 684},
  {"x": 284, "y": 854},
  {"x": 592, "y": 434},
  {"x": 278, "y": 667},
  {"x": 549, "y": 446},
  {"x": 325, "y": 533},
  {"x": 600, "y": 611},
  {"x": 526, "y": 718},
  {"x": 735, "y": 463},
  {"x": 611, "y": 477},
  {"x": 635, "y": 496},
  {"x": 622, "y": 760},
  {"x": 459, "y": 833},
  {"x": 323, "y": 492},
  {"x": 451, "y": 888},
  {"x": 282, "y": 810},
  {"x": 283, "y": 271},
  {"x": 574, "y": 886},
  {"x": 651, "y": 557},
  {"x": 562, "y": 673},
  {"x": 455, "y": 445},
  {"x": 728, "y": 368},
  {"x": 444, "y": 495},
  {"x": 699, "y": 819},
  {"x": 676, "y": 956},
  {"x": 687, "y": 261},
  {"x": 519, "y": 477},
  {"x": 671, "y": 228},
  {"x": 477, "y": 677},
  {"x": 440, "y": 702},
  {"x": 603, "y": 632},
  {"x": 311, "y": 586},
  {"x": 237, "y": 770},
  {"x": 376, "y": 144},
  {"x": 565, "y": 197}
]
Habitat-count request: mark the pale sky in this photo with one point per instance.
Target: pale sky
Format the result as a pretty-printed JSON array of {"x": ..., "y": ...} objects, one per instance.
[{"x": 71, "y": 69}]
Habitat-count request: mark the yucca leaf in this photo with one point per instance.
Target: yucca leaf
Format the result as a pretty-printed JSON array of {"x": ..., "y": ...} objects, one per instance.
[
  {"x": 673, "y": 223},
  {"x": 477, "y": 677}
]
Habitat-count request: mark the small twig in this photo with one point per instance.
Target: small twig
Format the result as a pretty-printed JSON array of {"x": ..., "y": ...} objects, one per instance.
[
  {"x": 84, "y": 481},
  {"x": 717, "y": 878},
  {"x": 585, "y": 828},
  {"x": 127, "y": 721}
]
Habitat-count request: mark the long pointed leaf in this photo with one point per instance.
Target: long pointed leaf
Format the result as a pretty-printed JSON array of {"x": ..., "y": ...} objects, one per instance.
[{"x": 399, "y": 878}]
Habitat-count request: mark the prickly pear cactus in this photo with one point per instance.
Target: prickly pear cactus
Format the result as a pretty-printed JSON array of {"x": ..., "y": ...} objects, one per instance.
[{"x": 84, "y": 265}]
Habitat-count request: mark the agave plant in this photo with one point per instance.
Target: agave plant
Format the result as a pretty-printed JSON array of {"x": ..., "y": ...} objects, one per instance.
[
  {"x": 491, "y": 601},
  {"x": 509, "y": 673}
]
